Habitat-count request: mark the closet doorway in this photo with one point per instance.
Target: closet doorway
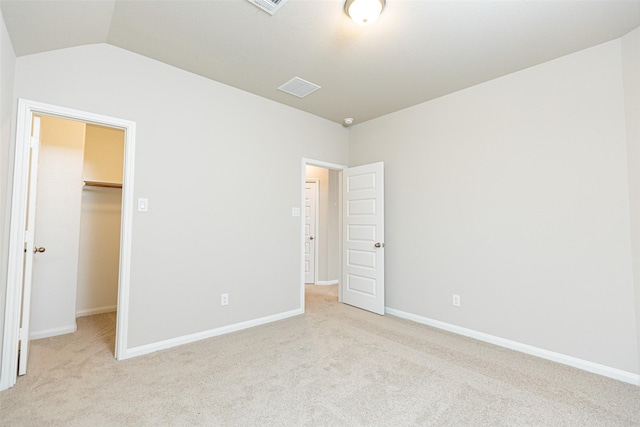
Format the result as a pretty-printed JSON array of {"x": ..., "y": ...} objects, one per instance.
[
  {"x": 77, "y": 223},
  {"x": 24, "y": 246}
]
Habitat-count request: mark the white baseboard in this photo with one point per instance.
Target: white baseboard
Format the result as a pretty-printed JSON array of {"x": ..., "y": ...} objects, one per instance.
[
  {"x": 69, "y": 329},
  {"x": 174, "y": 342},
  {"x": 627, "y": 377},
  {"x": 326, "y": 282},
  {"x": 97, "y": 310}
]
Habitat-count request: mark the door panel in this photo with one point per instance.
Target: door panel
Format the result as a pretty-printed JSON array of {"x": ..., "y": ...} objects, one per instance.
[
  {"x": 29, "y": 251},
  {"x": 58, "y": 214},
  {"x": 363, "y": 219}
]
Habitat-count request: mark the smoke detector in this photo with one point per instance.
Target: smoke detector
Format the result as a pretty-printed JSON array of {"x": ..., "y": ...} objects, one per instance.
[{"x": 269, "y": 6}]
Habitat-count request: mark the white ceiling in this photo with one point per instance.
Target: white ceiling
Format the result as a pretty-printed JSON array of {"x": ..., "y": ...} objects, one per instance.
[{"x": 416, "y": 51}]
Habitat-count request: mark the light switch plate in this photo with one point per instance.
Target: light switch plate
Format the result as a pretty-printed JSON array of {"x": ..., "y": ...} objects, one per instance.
[{"x": 143, "y": 205}]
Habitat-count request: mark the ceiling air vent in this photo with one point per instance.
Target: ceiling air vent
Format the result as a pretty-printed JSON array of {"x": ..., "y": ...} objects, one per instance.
[
  {"x": 298, "y": 87},
  {"x": 269, "y": 6}
]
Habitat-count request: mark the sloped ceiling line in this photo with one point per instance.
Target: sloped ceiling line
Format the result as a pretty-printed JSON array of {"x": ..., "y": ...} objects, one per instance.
[{"x": 416, "y": 51}]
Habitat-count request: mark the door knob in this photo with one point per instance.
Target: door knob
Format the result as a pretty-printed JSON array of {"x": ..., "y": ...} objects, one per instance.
[
  {"x": 40, "y": 249},
  {"x": 310, "y": 237},
  {"x": 379, "y": 245}
]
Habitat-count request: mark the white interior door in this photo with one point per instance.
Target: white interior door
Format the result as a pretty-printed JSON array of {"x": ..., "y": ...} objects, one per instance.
[
  {"x": 310, "y": 206},
  {"x": 57, "y": 223},
  {"x": 29, "y": 247},
  {"x": 363, "y": 237}
]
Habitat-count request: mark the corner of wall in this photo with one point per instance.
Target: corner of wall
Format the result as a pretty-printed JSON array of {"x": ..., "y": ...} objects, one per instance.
[
  {"x": 502, "y": 159},
  {"x": 631, "y": 80}
]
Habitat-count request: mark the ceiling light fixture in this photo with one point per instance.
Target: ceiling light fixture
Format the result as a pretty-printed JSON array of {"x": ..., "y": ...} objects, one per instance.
[{"x": 364, "y": 12}]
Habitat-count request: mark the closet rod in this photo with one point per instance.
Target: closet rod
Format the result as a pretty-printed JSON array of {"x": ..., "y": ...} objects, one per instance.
[{"x": 103, "y": 184}]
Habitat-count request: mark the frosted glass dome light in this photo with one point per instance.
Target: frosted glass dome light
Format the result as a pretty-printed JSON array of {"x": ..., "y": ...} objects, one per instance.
[{"x": 364, "y": 12}]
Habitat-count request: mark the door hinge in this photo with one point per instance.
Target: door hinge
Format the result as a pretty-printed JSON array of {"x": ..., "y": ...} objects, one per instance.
[
  {"x": 22, "y": 334},
  {"x": 28, "y": 236},
  {"x": 35, "y": 141}
]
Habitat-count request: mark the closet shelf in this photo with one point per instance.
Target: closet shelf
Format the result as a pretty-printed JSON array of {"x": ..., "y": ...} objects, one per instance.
[{"x": 103, "y": 184}]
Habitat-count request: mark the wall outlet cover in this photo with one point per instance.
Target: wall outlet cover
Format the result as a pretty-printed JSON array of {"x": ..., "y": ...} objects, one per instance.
[{"x": 456, "y": 300}]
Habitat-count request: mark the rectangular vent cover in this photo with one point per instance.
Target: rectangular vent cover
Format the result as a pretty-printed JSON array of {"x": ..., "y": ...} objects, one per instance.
[
  {"x": 269, "y": 6},
  {"x": 299, "y": 87}
]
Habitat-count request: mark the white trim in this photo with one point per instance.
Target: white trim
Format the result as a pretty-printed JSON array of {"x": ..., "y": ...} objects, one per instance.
[
  {"x": 327, "y": 282},
  {"x": 26, "y": 109},
  {"x": 340, "y": 236},
  {"x": 53, "y": 332},
  {"x": 303, "y": 181},
  {"x": 585, "y": 365},
  {"x": 186, "y": 339},
  {"x": 13, "y": 300},
  {"x": 96, "y": 310},
  {"x": 321, "y": 164}
]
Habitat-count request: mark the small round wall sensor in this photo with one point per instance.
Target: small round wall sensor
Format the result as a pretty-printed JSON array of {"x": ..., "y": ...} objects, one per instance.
[{"x": 348, "y": 121}]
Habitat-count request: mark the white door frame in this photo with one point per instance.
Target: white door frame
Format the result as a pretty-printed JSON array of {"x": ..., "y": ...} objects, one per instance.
[
  {"x": 26, "y": 110},
  {"x": 316, "y": 215},
  {"x": 303, "y": 181}
]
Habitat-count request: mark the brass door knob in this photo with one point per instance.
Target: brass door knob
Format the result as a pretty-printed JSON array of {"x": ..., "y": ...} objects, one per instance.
[
  {"x": 379, "y": 245},
  {"x": 310, "y": 237},
  {"x": 40, "y": 249}
]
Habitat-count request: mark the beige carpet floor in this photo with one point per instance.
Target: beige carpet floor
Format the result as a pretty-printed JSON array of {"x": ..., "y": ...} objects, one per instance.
[{"x": 334, "y": 366}]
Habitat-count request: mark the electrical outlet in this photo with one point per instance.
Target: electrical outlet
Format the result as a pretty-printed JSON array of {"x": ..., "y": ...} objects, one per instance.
[
  {"x": 456, "y": 300},
  {"x": 224, "y": 299}
]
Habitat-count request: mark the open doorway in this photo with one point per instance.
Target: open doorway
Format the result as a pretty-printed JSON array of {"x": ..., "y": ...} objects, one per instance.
[
  {"x": 322, "y": 224},
  {"x": 322, "y": 230},
  {"x": 22, "y": 231},
  {"x": 77, "y": 223},
  {"x": 361, "y": 234}
]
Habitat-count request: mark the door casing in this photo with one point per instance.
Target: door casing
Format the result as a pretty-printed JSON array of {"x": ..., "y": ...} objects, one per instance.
[
  {"x": 333, "y": 166},
  {"x": 19, "y": 198}
]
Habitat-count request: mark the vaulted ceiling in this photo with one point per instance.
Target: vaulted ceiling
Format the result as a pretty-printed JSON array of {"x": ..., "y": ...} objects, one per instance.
[{"x": 416, "y": 51}]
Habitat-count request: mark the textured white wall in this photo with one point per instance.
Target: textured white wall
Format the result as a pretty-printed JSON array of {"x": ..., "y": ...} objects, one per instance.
[
  {"x": 333, "y": 220},
  {"x": 219, "y": 217},
  {"x": 514, "y": 195},
  {"x": 7, "y": 67},
  {"x": 98, "y": 262},
  {"x": 631, "y": 70}
]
